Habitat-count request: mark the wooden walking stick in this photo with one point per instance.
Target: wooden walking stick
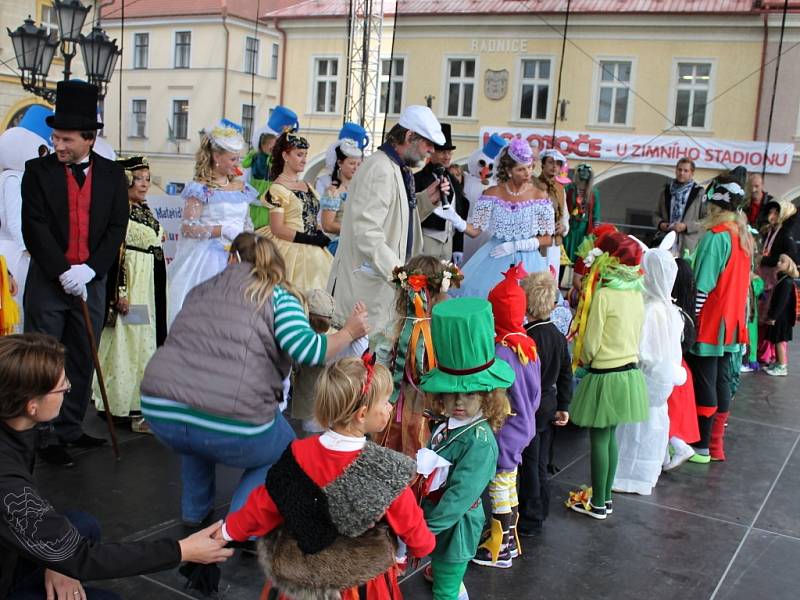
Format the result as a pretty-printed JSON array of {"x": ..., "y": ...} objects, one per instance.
[{"x": 93, "y": 345}]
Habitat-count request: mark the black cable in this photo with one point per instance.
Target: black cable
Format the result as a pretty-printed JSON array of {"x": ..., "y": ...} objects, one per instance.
[
  {"x": 774, "y": 89},
  {"x": 561, "y": 67},
  {"x": 391, "y": 71},
  {"x": 253, "y": 73},
  {"x": 121, "y": 58}
]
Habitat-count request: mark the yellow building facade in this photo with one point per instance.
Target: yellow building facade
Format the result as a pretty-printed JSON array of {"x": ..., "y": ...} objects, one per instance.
[{"x": 624, "y": 76}]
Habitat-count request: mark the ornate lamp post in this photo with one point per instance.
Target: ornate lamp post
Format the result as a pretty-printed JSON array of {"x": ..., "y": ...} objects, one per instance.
[{"x": 35, "y": 48}]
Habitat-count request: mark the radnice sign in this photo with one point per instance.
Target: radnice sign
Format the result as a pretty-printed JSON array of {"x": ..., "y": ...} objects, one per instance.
[{"x": 707, "y": 153}]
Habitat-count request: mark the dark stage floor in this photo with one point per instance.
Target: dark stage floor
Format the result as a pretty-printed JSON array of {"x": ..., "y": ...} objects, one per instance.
[{"x": 724, "y": 531}]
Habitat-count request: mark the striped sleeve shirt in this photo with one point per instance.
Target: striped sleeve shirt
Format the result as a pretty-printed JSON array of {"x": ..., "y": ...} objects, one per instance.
[
  {"x": 293, "y": 331},
  {"x": 294, "y": 336}
]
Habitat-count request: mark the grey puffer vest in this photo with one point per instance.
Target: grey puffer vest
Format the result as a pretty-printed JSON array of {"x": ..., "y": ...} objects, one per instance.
[{"x": 221, "y": 355}]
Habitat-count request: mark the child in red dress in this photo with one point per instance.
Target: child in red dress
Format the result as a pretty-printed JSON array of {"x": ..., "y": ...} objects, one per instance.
[{"x": 333, "y": 504}]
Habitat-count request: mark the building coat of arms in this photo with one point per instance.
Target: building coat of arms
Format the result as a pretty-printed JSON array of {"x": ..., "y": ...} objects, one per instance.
[{"x": 495, "y": 84}]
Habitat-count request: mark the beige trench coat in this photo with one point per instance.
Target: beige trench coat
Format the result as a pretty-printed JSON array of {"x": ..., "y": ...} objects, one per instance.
[{"x": 373, "y": 238}]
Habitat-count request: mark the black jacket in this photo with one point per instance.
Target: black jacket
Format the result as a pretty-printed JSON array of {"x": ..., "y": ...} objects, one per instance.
[
  {"x": 422, "y": 179},
  {"x": 556, "y": 369},
  {"x": 31, "y": 529},
  {"x": 785, "y": 242},
  {"x": 45, "y": 214}
]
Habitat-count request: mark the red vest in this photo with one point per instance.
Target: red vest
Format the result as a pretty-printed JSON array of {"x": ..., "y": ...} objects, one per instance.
[
  {"x": 80, "y": 201},
  {"x": 728, "y": 301}
]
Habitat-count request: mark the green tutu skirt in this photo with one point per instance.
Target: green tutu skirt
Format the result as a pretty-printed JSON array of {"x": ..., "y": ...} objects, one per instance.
[{"x": 606, "y": 399}]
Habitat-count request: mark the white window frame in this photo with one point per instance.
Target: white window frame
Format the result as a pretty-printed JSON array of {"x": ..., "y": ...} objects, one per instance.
[
  {"x": 673, "y": 92},
  {"x": 133, "y": 54},
  {"x": 312, "y": 109},
  {"x": 132, "y": 133},
  {"x": 384, "y": 78},
  {"x": 172, "y": 115},
  {"x": 175, "y": 47},
  {"x": 49, "y": 25},
  {"x": 274, "y": 60},
  {"x": 257, "y": 57},
  {"x": 445, "y": 91},
  {"x": 598, "y": 82},
  {"x": 520, "y": 81}
]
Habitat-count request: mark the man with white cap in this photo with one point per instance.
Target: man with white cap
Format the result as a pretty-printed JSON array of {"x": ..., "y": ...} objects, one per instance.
[{"x": 381, "y": 223}]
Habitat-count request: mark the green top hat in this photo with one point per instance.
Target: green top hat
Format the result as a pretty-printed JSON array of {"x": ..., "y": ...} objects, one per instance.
[{"x": 463, "y": 337}]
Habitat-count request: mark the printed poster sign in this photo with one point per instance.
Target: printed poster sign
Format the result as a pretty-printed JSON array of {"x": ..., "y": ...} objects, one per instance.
[{"x": 707, "y": 153}]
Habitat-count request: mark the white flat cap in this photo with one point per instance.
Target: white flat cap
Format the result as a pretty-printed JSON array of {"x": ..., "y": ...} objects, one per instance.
[{"x": 422, "y": 121}]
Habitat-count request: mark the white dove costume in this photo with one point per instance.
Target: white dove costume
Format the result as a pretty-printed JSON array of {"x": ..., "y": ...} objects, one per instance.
[
  {"x": 17, "y": 145},
  {"x": 643, "y": 446}
]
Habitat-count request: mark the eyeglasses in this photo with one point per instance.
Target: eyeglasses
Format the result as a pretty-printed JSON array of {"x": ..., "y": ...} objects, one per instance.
[{"x": 65, "y": 390}]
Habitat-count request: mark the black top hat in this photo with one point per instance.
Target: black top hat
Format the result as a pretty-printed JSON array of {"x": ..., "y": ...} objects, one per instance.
[
  {"x": 76, "y": 107},
  {"x": 448, "y": 141}
]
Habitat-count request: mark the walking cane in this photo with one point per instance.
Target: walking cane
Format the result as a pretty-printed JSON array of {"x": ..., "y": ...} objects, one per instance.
[{"x": 93, "y": 345}]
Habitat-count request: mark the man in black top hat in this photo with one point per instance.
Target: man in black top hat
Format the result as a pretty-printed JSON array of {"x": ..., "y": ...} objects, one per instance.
[
  {"x": 74, "y": 217},
  {"x": 439, "y": 236}
]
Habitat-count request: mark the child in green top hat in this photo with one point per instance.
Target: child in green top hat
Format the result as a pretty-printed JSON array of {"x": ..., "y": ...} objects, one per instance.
[{"x": 468, "y": 384}]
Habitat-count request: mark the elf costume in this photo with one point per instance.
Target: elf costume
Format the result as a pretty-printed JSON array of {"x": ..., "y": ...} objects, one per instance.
[
  {"x": 463, "y": 333},
  {"x": 722, "y": 273},
  {"x": 515, "y": 347},
  {"x": 607, "y": 330}
]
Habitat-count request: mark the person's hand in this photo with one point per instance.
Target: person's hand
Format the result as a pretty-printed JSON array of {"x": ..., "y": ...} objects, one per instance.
[
  {"x": 458, "y": 258},
  {"x": 61, "y": 587},
  {"x": 559, "y": 229},
  {"x": 203, "y": 548},
  {"x": 76, "y": 276},
  {"x": 448, "y": 213},
  {"x": 357, "y": 324},
  {"x": 12, "y": 285},
  {"x": 501, "y": 250},
  {"x": 771, "y": 322},
  {"x": 561, "y": 419},
  {"x": 123, "y": 306},
  {"x": 680, "y": 227}
]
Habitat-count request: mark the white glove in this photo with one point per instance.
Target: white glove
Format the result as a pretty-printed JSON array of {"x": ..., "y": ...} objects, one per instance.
[
  {"x": 507, "y": 248},
  {"x": 448, "y": 213},
  {"x": 229, "y": 232},
  {"x": 77, "y": 290},
  {"x": 458, "y": 258},
  {"x": 78, "y": 275}
]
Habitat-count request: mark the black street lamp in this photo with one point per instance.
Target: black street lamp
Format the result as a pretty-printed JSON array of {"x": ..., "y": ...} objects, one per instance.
[{"x": 35, "y": 48}]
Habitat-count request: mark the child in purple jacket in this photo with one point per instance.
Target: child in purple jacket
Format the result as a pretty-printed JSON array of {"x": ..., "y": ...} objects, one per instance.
[{"x": 514, "y": 346}]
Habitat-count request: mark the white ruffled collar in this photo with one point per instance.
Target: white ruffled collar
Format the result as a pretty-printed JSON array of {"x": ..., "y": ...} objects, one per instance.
[
  {"x": 454, "y": 423},
  {"x": 341, "y": 443}
]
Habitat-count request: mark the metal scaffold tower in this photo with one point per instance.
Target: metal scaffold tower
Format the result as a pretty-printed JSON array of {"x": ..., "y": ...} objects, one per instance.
[{"x": 362, "y": 92}]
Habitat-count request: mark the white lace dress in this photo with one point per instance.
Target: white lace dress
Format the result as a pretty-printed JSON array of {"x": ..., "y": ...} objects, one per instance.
[
  {"x": 199, "y": 256},
  {"x": 508, "y": 221}
]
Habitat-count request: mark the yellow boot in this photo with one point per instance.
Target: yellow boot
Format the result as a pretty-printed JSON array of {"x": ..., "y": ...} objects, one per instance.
[{"x": 494, "y": 552}]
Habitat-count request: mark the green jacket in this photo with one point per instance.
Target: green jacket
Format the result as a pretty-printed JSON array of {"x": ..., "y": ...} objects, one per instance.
[{"x": 457, "y": 519}]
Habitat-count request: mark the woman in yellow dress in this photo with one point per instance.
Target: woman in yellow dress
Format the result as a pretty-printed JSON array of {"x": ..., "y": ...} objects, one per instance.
[
  {"x": 137, "y": 288},
  {"x": 294, "y": 210}
]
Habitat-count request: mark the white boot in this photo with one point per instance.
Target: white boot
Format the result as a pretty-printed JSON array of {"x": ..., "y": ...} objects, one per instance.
[{"x": 683, "y": 452}]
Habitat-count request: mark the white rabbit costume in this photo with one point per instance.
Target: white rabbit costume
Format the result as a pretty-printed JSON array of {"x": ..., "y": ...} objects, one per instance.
[{"x": 643, "y": 446}]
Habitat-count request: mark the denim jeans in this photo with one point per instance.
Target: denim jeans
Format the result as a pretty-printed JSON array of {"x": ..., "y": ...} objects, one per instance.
[
  {"x": 202, "y": 450},
  {"x": 28, "y": 583}
]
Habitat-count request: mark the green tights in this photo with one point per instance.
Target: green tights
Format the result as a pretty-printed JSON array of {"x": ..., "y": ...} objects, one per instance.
[
  {"x": 447, "y": 578},
  {"x": 605, "y": 455}
]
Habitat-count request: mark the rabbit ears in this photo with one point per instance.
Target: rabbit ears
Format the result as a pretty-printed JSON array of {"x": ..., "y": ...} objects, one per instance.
[{"x": 666, "y": 244}]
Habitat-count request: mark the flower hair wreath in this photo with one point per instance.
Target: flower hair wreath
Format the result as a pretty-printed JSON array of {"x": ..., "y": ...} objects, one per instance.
[{"x": 416, "y": 281}]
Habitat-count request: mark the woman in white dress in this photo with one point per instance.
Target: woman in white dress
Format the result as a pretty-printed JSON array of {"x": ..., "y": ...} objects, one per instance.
[{"x": 216, "y": 210}]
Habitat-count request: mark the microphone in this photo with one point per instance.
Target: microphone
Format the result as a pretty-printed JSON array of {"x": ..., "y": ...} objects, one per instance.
[{"x": 440, "y": 172}]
